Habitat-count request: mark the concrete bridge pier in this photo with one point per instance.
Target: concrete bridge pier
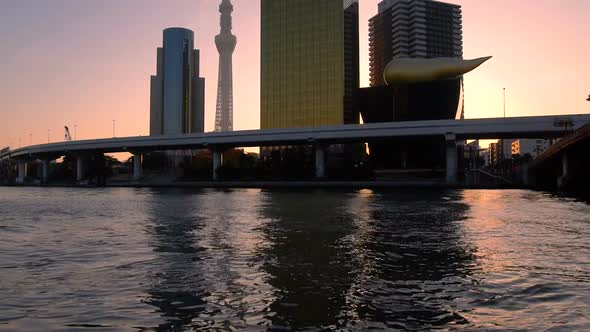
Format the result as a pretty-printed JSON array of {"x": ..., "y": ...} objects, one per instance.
[
  {"x": 21, "y": 168},
  {"x": 137, "y": 167},
  {"x": 452, "y": 158},
  {"x": 320, "y": 161},
  {"x": 217, "y": 162},
  {"x": 79, "y": 168},
  {"x": 45, "y": 171},
  {"x": 563, "y": 179}
]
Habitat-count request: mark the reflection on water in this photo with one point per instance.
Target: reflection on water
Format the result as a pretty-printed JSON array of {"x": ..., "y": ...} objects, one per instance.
[
  {"x": 175, "y": 260},
  {"x": 177, "y": 283}
]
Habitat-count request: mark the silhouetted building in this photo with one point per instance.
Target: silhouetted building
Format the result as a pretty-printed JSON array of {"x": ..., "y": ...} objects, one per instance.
[
  {"x": 226, "y": 44},
  {"x": 496, "y": 154},
  {"x": 177, "y": 102},
  {"x": 436, "y": 100},
  {"x": 309, "y": 63},
  {"x": 413, "y": 29},
  {"x": 506, "y": 148},
  {"x": 471, "y": 155}
]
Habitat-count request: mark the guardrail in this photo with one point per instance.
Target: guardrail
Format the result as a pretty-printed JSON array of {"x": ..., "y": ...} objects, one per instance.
[{"x": 571, "y": 139}]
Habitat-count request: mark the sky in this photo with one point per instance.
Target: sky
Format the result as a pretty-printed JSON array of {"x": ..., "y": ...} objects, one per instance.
[{"x": 85, "y": 63}]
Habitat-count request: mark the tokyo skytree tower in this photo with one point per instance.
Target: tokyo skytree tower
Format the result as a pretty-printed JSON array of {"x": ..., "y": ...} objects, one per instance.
[{"x": 226, "y": 44}]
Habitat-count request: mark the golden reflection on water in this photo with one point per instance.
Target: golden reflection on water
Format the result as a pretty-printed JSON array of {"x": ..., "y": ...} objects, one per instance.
[
  {"x": 484, "y": 219},
  {"x": 360, "y": 207}
]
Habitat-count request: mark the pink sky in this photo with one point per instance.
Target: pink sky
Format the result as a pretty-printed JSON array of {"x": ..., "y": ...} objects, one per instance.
[{"x": 67, "y": 62}]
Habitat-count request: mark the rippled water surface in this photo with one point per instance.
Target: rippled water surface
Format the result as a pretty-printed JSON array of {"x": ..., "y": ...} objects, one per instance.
[{"x": 215, "y": 260}]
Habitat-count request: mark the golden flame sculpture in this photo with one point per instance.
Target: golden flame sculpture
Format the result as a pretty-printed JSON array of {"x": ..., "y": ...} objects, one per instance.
[{"x": 412, "y": 70}]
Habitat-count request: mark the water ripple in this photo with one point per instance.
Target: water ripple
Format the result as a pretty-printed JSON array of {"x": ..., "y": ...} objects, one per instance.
[{"x": 307, "y": 260}]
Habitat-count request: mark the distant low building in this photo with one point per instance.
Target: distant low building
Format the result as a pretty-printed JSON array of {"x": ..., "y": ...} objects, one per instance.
[
  {"x": 485, "y": 156},
  {"x": 495, "y": 154},
  {"x": 533, "y": 147},
  {"x": 506, "y": 148},
  {"x": 471, "y": 155}
]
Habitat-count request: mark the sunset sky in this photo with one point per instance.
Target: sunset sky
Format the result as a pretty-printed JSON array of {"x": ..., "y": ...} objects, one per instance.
[{"x": 66, "y": 62}]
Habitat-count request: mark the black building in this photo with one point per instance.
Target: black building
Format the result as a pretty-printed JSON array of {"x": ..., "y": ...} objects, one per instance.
[
  {"x": 351, "y": 61},
  {"x": 436, "y": 100}
]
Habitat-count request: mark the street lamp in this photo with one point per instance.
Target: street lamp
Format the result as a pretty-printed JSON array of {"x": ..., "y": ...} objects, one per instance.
[
  {"x": 588, "y": 98},
  {"x": 75, "y": 132},
  {"x": 504, "y": 102},
  {"x": 48, "y": 135},
  {"x": 114, "y": 128}
]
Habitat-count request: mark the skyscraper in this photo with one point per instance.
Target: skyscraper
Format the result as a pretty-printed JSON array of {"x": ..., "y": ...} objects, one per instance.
[
  {"x": 413, "y": 29},
  {"x": 226, "y": 44},
  {"x": 309, "y": 63},
  {"x": 177, "y": 102}
]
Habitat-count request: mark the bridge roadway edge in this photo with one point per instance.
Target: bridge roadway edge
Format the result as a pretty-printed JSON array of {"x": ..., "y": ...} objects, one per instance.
[{"x": 520, "y": 127}]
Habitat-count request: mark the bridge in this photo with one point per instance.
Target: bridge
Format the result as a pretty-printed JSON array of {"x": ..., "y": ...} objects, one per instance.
[
  {"x": 320, "y": 137},
  {"x": 565, "y": 164}
]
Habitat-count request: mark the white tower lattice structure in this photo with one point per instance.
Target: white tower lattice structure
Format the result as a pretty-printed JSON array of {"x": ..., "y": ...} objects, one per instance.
[{"x": 226, "y": 44}]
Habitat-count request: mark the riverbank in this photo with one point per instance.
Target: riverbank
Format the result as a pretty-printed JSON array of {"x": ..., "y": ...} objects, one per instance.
[{"x": 294, "y": 184}]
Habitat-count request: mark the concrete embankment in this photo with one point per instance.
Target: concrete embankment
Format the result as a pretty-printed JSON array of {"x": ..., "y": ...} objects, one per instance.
[{"x": 296, "y": 185}]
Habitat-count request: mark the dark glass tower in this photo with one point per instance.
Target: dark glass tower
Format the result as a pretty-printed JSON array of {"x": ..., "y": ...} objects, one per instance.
[{"x": 177, "y": 101}]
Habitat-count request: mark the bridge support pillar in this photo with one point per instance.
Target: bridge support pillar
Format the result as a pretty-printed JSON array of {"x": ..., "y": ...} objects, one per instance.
[
  {"x": 137, "y": 168},
  {"x": 217, "y": 162},
  {"x": 79, "y": 168},
  {"x": 452, "y": 158},
  {"x": 562, "y": 180},
  {"x": 45, "y": 172},
  {"x": 21, "y": 172},
  {"x": 320, "y": 161}
]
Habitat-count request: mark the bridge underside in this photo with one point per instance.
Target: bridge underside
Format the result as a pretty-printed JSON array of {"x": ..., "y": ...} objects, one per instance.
[{"x": 567, "y": 170}]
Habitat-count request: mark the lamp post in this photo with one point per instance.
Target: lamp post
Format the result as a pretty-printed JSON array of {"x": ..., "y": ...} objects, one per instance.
[
  {"x": 504, "y": 102},
  {"x": 48, "y": 135},
  {"x": 588, "y": 98},
  {"x": 75, "y": 132},
  {"x": 114, "y": 128}
]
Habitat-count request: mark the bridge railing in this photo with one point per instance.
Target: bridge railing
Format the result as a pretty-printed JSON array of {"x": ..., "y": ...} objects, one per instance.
[{"x": 563, "y": 143}]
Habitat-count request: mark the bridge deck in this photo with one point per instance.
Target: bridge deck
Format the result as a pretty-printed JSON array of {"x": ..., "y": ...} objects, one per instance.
[
  {"x": 521, "y": 127},
  {"x": 577, "y": 136}
]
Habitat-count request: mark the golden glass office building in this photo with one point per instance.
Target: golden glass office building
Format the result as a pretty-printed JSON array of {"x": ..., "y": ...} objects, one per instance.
[{"x": 309, "y": 63}]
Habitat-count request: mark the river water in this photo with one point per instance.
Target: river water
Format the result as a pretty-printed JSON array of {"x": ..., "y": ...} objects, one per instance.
[{"x": 280, "y": 260}]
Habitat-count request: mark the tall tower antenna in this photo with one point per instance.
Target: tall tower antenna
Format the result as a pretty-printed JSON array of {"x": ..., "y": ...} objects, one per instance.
[{"x": 226, "y": 44}]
